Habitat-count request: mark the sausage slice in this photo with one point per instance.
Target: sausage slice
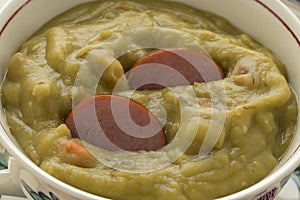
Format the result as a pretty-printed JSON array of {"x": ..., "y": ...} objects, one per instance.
[
  {"x": 172, "y": 67},
  {"x": 116, "y": 123}
]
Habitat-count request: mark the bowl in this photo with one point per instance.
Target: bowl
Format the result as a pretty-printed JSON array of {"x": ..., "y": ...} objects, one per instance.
[{"x": 270, "y": 22}]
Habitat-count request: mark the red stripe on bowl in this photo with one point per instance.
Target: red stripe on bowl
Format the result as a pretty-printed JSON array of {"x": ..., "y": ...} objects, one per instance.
[
  {"x": 258, "y": 1},
  {"x": 281, "y": 20},
  {"x": 13, "y": 15}
]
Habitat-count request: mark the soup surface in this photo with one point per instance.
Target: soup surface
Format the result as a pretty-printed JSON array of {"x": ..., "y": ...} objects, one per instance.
[{"x": 222, "y": 136}]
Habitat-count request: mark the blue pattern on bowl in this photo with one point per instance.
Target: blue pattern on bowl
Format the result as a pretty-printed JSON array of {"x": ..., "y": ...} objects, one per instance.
[
  {"x": 296, "y": 177},
  {"x": 3, "y": 164},
  {"x": 38, "y": 195}
]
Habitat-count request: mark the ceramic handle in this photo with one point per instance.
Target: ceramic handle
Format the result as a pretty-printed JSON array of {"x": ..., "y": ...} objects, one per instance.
[{"x": 7, "y": 185}]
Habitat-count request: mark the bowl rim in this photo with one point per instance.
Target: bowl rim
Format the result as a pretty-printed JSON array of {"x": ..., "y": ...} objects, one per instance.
[{"x": 272, "y": 179}]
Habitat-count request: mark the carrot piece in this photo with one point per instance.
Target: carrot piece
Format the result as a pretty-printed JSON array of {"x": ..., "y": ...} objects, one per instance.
[{"x": 79, "y": 150}]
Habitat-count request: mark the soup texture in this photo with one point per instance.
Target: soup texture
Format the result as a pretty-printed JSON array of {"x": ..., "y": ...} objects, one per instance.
[{"x": 222, "y": 136}]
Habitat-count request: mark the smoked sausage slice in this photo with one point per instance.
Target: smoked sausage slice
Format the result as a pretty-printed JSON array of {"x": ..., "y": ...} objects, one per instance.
[
  {"x": 116, "y": 123},
  {"x": 172, "y": 67}
]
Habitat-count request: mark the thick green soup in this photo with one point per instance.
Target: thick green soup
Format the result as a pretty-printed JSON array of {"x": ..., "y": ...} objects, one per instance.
[{"x": 222, "y": 136}]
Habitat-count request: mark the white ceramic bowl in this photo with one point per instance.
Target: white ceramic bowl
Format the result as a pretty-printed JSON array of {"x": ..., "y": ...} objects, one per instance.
[{"x": 268, "y": 21}]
